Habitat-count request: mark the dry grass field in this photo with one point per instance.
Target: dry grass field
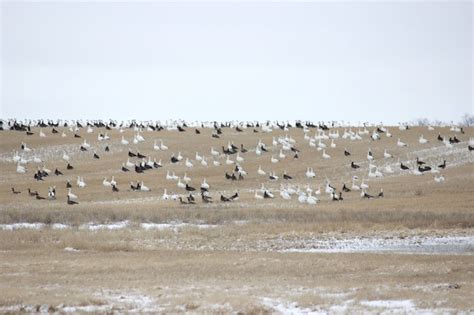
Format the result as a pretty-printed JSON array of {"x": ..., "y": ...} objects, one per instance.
[{"x": 410, "y": 251}]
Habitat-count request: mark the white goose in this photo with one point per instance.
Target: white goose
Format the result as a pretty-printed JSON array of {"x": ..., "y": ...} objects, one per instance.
[
  {"x": 274, "y": 159},
  {"x": 260, "y": 171},
  {"x": 228, "y": 161},
  {"x": 143, "y": 187},
  {"x": 214, "y": 152},
  {"x": 42, "y": 134},
  {"x": 198, "y": 157},
  {"x": 80, "y": 182},
  {"x": 106, "y": 183},
  {"x": 156, "y": 147},
  {"x": 401, "y": 144},
  {"x": 188, "y": 163},
  {"x": 325, "y": 155},
  {"x": 165, "y": 195},
  {"x": 37, "y": 159},
  {"x": 363, "y": 185},
  {"x": 238, "y": 158},
  {"x": 63, "y": 135},
  {"x": 281, "y": 155},
  {"x": 216, "y": 163},
  {"x": 186, "y": 178},
  {"x": 70, "y": 194},
  {"x": 65, "y": 156},
  {"x": 333, "y": 145},
  {"x": 20, "y": 169},
  {"x": 311, "y": 200},
  {"x": 310, "y": 173},
  {"x": 354, "y": 185},
  {"x": 124, "y": 141},
  {"x": 204, "y": 184},
  {"x": 386, "y": 154},
  {"x": 204, "y": 162},
  {"x": 439, "y": 179},
  {"x": 180, "y": 184},
  {"x": 422, "y": 140},
  {"x": 129, "y": 164},
  {"x": 163, "y": 146}
]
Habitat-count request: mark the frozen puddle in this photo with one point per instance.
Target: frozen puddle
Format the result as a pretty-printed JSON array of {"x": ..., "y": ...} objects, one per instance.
[{"x": 412, "y": 244}]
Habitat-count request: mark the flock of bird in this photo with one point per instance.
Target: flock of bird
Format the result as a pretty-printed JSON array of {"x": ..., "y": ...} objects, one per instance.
[{"x": 319, "y": 137}]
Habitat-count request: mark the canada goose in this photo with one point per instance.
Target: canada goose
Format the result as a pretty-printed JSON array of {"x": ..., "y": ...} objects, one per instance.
[
  {"x": 286, "y": 176},
  {"x": 96, "y": 156},
  {"x": 242, "y": 149},
  {"x": 15, "y": 192},
  {"x": 404, "y": 167},
  {"x": 114, "y": 188},
  {"x": 419, "y": 162},
  {"x": 443, "y": 166},
  {"x": 174, "y": 159},
  {"x": 345, "y": 189},
  {"x": 354, "y": 166},
  {"x": 131, "y": 154},
  {"x": 140, "y": 156},
  {"x": 268, "y": 195},
  {"x": 69, "y": 166},
  {"x": 57, "y": 172},
  {"x": 346, "y": 153},
  {"x": 32, "y": 193},
  {"x": 225, "y": 199},
  {"x": 188, "y": 163}
]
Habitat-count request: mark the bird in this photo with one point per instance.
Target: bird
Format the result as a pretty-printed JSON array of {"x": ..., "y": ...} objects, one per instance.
[
  {"x": 443, "y": 165},
  {"x": 260, "y": 171},
  {"x": 401, "y": 144},
  {"x": 70, "y": 195},
  {"x": 422, "y": 140},
  {"x": 71, "y": 202},
  {"x": 386, "y": 154},
  {"x": 354, "y": 166},
  {"x": 15, "y": 192},
  {"x": 346, "y": 153},
  {"x": 325, "y": 155}
]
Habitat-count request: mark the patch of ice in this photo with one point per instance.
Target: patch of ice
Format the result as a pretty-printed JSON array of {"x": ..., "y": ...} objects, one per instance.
[
  {"x": 287, "y": 308},
  {"x": 174, "y": 226},
  {"x": 405, "y": 305}
]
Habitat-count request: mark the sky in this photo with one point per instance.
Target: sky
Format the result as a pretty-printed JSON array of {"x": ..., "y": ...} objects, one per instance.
[{"x": 353, "y": 61}]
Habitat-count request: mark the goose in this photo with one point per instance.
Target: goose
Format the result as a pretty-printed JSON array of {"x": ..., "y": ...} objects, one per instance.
[
  {"x": 189, "y": 188},
  {"x": 129, "y": 164},
  {"x": 181, "y": 184},
  {"x": 260, "y": 171},
  {"x": 238, "y": 158},
  {"x": 58, "y": 172},
  {"x": 63, "y": 135},
  {"x": 96, "y": 156},
  {"x": 242, "y": 149},
  {"x": 329, "y": 189},
  {"x": 363, "y": 185},
  {"x": 204, "y": 185},
  {"x": 273, "y": 159},
  {"x": 417, "y": 171},
  {"x": 168, "y": 176},
  {"x": 333, "y": 145},
  {"x": 85, "y": 144},
  {"x": 273, "y": 176},
  {"x": 71, "y": 202},
  {"x": 302, "y": 197},
  {"x": 422, "y": 140},
  {"x": 113, "y": 182},
  {"x": 140, "y": 156},
  {"x": 268, "y": 194},
  {"x": 16, "y": 157},
  {"x": 24, "y": 147},
  {"x": 318, "y": 191},
  {"x": 388, "y": 134},
  {"x": 285, "y": 194},
  {"x": 439, "y": 179},
  {"x": 258, "y": 151},
  {"x": 311, "y": 200},
  {"x": 42, "y": 134},
  {"x": 274, "y": 142},
  {"x": 257, "y": 196},
  {"x": 321, "y": 144},
  {"x": 214, "y": 152},
  {"x": 188, "y": 163},
  {"x": 380, "y": 195},
  {"x": 198, "y": 157},
  {"x": 310, "y": 173},
  {"x": 281, "y": 155},
  {"x": 404, "y": 167},
  {"x": 20, "y": 169},
  {"x": 286, "y": 176},
  {"x": 354, "y": 166},
  {"x": 179, "y": 157},
  {"x": 370, "y": 157},
  {"x": 124, "y": 141},
  {"x": 80, "y": 182},
  {"x": 143, "y": 187},
  {"x": 346, "y": 152},
  {"x": 131, "y": 154},
  {"x": 65, "y": 156},
  {"x": 15, "y": 192},
  {"x": 186, "y": 178},
  {"x": 156, "y": 147},
  {"x": 325, "y": 155},
  {"x": 386, "y": 154},
  {"x": 37, "y": 159},
  {"x": 228, "y": 161},
  {"x": 165, "y": 195},
  {"x": 70, "y": 194},
  {"x": 174, "y": 159},
  {"x": 401, "y": 144},
  {"x": 312, "y": 144},
  {"x": 442, "y": 166},
  {"x": 388, "y": 169},
  {"x": 162, "y": 145},
  {"x": 216, "y": 163},
  {"x": 204, "y": 162}
]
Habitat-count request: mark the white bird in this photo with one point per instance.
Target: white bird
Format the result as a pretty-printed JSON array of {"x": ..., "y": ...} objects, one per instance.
[
  {"x": 165, "y": 195},
  {"x": 106, "y": 183},
  {"x": 20, "y": 169},
  {"x": 181, "y": 184},
  {"x": 204, "y": 184},
  {"x": 439, "y": 178},
  {"x": 198, "y": 157},
  {"x": 310, "y": 173},
  {"x": 63, "y": 135},
  {"x": 214, "y": 152},
  {"x": 388, "y": 169},
  {"x": 143, "y": 187},
  {"x": 422, "y": 140},
  {"x": 273, "y": 159},
  {"x": 281, "y": 155},
  {"x": 85, "y": 144},
  {"x": 24, "y": 147},
  {"x": 386, "y": 154},
  {"x": 363, "y": 185},
  {"x": 42, "y": 134},
  {"x": 302, "y": 197},
  {"x": 168, "y": 176},
  {"x": 179, "y": 157},
  {"x": 238, "y": 158},
  {"x": 260, "y": 171},
  {"x": 258, "y": 151},
  {"x": 333, "y": 145},
  {"x": 113, "y": 182},
  {"x": 162, "y": 145},
  {"x": 257, "y": 196},
  {"x": 65, "y": 156},
  {"x": 228, "y": 161},
  {"x": 285, "y": 195},
  {"x": 311, "y": 199},
  {"x": 80, "y": 182},
  {"x": 123, "y": 141},
  {"x": 215, "y": 162},
  {"x": 37, "y": 159},
  {"x": 156, "y": 147},
  {"x": 70, "y": 194},
  {"x": 325, "y": 155},
  {"x": 188, "y": 163},
  {"x": 186, "y": 178},
  {"x": 401, "y": 144},
  {"x": 354, "y": 185},
  {"x": 204, "y": 162}
]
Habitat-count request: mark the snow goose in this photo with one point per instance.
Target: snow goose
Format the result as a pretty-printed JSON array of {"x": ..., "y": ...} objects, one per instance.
[
  {"x": 333, "y": 145},
  {"x": 214, "y": 152},
  {"x": 260, "y": 171},
  {"x": 439, "y": 179},
  {"x": 186, "y": 178},
  {"x": 204, "y": 185},
  {"x": 228, "y": 161},
  {"x": 181, "y": 184},
  {"x": 20, "y": 169},
  {"x": 401, "y": 144},
  {"x": 156, "y": 147},
  {"x": 106, "y": 183},
  {"x": 258, "y": 151},
  {"x": 85, "y": 144},
  {"x": 311, "y": 200},
  {"x": 281, "y": 155},
  {"x": 204, "y": 162},
  {"x": 274, "y": 159},
  {"x": 216, "y": 163},
  {"x": 310, "y": 173},
  {"x": 198, "y": 157},
  {"x": 238, "y": 158},
  {"x": 302, "y": 197},
  {"x": 165, "y": 195},
  {"x": 37, "y": 159},
  {"x": 188, "y": 163},
  {"x": 257, "y": 196},
  {"x": 143, "y": 187},
  {"x": 179, "y": 157},
  {"x": 162, "y": 145},
  {"x": 386, "y": 154},
  {"x": 65, "y": 156},
  {"x": 80, "y": 182},
  {"x": 123, "y": 141},
  {"x": 363, "y": 185},
  {"x": 422, "y": 140},
  {"x": 42, "y": 134},
  {"x": 325, "y": 155}
]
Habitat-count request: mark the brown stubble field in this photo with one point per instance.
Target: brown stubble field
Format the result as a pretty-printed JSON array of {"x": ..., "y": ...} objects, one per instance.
[{"x": 238, "y": 263}]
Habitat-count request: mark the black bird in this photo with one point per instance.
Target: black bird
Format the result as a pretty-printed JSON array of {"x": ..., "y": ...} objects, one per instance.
[
  {"x": 266, "y": 195},
  {"x": 124, "y": 169},
  {"x": 286, "y": 176},
  {"x": 71, "y": 202},
  {"x": 68, "y": 184},
  {"x": 354, "y": 166},
  {"x": 262, "y": 147},
  {"x": 29, "y": 133},
  {"x": 32, "y": 193},
  {"x": 114, "y": 188},
  {"x": 191, "y": 197},
  {"x": 174, "y": 159},
  {"x": 189, "y": 188},
  {"x": 54, "y": 131},
  {"x": 439, "y": 137},
  {"x": 234, "y": 196},
  {"x": 197, "y": 131},
  {"x": 443, "y": 166},
  {"x": 404, "y": 167},
  {"x": 38, "y": 197},
  {"x": 83, "y": 149},
  {"x": 138, "y": 169},
  {"x": 470, "y": 147},
  {"x": 107, "y": 149},
  {"x": 345, "y": 189},
  {"x": 206, "y": 199},
  {"x": 15, "y": 192},
  {"x": 69, "y": 166},
  {"x": 141, "y": 156},
  {"x": 96, "y": 156},
  {"x": 181, "y": 201},
  {"x": 424, "y": 168},
  {"x": 242, "y": 149},
  {"x": 380, "y": 195},
  {"x": 419, "y": 162},
  {"x": 57, "y": 172},
  {"x": 238, "y": 129},
  {"x": 296, "y": 156},
  {"x": 346, "y": 153},
  {"x": 76, "y": 135},
  {"x": 131, "y": 154},
  {"x": 181, "y": 129},
  {"x": 225, "y": 199},
  {"x": 366, "y": 195}
]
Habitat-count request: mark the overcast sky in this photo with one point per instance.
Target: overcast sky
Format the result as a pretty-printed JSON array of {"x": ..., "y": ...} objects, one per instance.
[{"x": 353, "y": 61}]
